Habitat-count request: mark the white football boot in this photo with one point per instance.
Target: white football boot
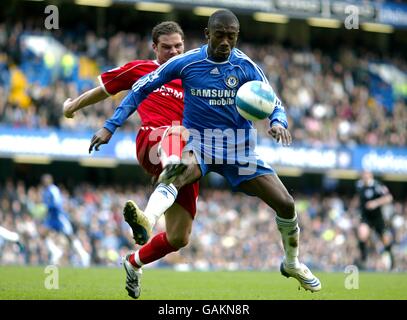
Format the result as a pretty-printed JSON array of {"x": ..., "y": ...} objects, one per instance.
[
  {"x": 304, "y": 276},
  {"x": 133, "y": 278}
]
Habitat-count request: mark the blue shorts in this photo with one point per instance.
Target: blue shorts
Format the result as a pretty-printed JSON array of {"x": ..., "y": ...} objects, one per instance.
[
  {"x": 236, "y": 167},
  {"x": 59, "y": 223}
]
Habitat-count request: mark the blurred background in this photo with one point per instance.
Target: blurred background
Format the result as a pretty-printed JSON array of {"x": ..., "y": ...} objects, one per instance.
[{"x": 344, "y": 83}]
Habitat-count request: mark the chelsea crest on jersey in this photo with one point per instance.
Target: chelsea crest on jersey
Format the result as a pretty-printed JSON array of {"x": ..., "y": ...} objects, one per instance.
[{"x": 209, "y": 90}]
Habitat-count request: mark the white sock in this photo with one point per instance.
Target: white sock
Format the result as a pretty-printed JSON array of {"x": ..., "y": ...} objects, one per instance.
[
  {"x": 56, "y": 252},
  {"x": 9, "y": 235},
  {"x": 290, "y": 233},
  {"x": 160, "y": 200},
  {"x": 83, "y": 254},
  {"x": 137, "y": 259}
]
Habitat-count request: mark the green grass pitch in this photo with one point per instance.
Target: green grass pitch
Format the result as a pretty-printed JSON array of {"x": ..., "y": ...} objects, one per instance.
[{"x": 108, "y": 284}]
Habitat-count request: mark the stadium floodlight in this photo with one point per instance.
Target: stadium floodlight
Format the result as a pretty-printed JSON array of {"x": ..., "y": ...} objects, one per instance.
[
  {"x": 270, "y": 17},
  {"x": 204, "y": 11},
  {"x": 377, "y": 27},
  {"x": 324, "y": 23},
  {"x": 94, "y": 3},
  {"x": 154, "y": 7}
]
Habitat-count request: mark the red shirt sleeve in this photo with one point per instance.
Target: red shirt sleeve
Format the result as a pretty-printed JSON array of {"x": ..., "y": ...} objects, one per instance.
[{"x": 121, "y": 78}]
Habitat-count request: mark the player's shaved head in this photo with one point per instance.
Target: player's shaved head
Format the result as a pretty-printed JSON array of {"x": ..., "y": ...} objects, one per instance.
[
  {"x": 224, "y": 16},
  {"x": 222, "y": 34}
]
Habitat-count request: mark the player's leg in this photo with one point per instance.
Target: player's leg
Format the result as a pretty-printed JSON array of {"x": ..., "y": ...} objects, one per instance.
[
  {"x": 162, "y": 198},
  {"x": 272, "y": 191},
  {"x": 67, "y": 230},
  {"x": 9, "y": 235},
  {"x": 142, "y": 222},
  {"x": 178, "y": 228},
  {"x": 170, "y": 152},
  {"x": 387, "y": 240},
  {"x": 363, "y": 234},
  {"x": 52, "y": 226},
  {"x": 164, "y": 195},
  {"x": 12, "y": 236}
]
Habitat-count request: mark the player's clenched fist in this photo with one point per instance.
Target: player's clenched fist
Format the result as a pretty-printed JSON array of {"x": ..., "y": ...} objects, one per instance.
[{"x": 67, "y": 108}]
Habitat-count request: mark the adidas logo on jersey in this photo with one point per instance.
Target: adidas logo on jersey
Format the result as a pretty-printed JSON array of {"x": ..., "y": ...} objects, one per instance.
[{"x": 215, "y": 71}]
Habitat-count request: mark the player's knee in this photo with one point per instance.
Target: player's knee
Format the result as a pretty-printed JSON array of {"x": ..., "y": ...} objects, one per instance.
[
  {"x": 178, "y": 241},
  {"x": 363, "y": 232}
]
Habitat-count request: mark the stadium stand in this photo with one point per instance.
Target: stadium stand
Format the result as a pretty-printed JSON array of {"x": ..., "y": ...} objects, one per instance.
[{"x": 346, "y": 97}]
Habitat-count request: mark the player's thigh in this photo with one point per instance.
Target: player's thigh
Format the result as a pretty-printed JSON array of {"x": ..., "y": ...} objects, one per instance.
[
  {"x": 272, "y": 191},
  {"x": 379, "y": 226},
  {"x": 178, "y": 222},
  {"x": 147, "y": 144}
]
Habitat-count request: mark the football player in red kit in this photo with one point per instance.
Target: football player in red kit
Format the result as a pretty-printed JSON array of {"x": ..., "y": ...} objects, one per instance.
[{"x": 159, "y": 144}]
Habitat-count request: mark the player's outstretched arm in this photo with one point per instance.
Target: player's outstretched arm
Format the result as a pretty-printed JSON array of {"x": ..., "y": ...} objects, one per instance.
[
  {"x": 102, "y": 136},
  {"x": 279, "y": 125},
  {"x": 87, "y": 98},
  {"x": 381, "y": 201},
  {"x": 126, "y": 108}
]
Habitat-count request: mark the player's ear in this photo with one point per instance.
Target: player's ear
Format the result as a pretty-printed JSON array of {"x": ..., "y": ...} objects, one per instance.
[
  {"x": 155, "y": 47},
  {"x": 206, "y": 33}
]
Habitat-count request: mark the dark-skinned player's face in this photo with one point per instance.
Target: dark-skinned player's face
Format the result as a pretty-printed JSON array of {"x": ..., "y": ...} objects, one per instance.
[{"x": 222, "y": 37}]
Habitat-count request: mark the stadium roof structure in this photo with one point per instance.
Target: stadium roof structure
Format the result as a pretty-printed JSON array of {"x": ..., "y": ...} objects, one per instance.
[{"x": 380, "y": 16}]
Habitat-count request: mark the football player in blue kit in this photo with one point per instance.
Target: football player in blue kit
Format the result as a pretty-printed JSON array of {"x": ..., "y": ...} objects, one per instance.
[
  {"x": 57, "y": 220},
  {"x": 221, "y": 140}
]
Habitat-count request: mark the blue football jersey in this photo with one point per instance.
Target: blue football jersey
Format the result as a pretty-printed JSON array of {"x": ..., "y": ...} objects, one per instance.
[{"x": 209, "y": 90}]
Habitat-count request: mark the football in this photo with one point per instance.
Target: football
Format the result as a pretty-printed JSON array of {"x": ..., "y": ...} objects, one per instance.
[{"x": 255, "y": 100}]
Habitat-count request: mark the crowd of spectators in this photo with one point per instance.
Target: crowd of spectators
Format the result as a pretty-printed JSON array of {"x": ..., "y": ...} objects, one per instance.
[
  {"x": 329, "y": 101},
  {"x": 329, "y": 98},
  {"x": 231, "y": 231}
]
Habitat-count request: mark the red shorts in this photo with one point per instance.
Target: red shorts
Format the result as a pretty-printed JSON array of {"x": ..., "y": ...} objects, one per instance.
[{"x": 147, "y": 142}]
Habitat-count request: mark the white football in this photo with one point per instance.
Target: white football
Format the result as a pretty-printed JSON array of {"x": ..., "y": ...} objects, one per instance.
[{"x": 255, "y": 100}]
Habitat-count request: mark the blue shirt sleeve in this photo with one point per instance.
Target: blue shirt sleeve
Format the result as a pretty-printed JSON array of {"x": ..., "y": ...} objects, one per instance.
[
  {"x": 141, "y": 89},
  {"x": 278, "y": 116}
]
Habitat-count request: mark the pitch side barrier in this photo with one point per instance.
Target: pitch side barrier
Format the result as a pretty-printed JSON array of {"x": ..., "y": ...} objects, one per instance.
[{"x": 74, "y": 145}]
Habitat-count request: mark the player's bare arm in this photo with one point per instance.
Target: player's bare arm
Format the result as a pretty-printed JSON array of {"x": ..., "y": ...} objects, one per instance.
[
  {"x": 373, "y": 204},
  {"x": 85, "y": 99},
  {"x": 280, "y": 133},
  {"x": 102, "y": 136}
]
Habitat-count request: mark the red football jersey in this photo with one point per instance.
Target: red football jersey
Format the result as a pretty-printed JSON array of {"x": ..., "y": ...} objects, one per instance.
[{"x": 162, "y": 107}]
